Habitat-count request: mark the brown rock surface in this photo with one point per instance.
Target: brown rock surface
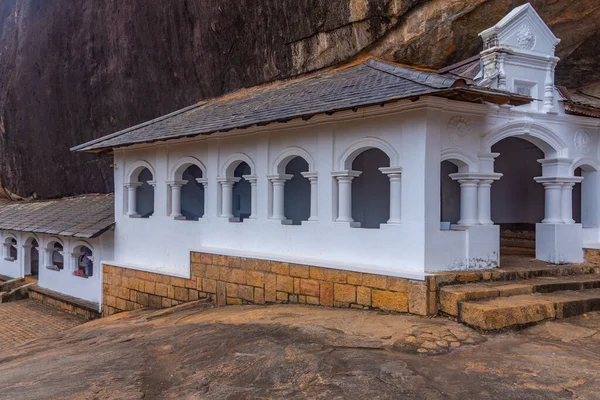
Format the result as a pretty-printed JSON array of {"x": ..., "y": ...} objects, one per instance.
[
  {"x": 71, "y": 71},
  {"x": 299, "y": 352}
]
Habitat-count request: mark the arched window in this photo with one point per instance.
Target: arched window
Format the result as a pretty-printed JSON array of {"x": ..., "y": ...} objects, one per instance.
[
  {"x": 54, "y": 255},
  {"x": 371, "y": 189},
  {"x": 297, "y": 192},
  {"x": 449, "y": 195},
  {"x": 145, "y": 194},
  {"x": 242, "y": 192},
  {"x": 32, "y": 257},
  {"x": 139, "y": 196},
  {"x": 10, "y": 249},
  {"x": 192, "y": 194},
  {"x": 83, "y": 261}
]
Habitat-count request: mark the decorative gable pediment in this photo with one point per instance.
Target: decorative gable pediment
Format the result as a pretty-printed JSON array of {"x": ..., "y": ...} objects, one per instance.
[{"x": 523, "y": 31}]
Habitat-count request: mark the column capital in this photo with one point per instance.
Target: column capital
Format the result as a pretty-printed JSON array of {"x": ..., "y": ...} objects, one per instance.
[
  {"x": 310, "y": 175},
  {"x": 152, "y": 183},
  {"x": 486, "y": 155},
  {"x": 203, "y": 181},
  {"x": 391, "y": 170},
  {"x": 558, "y": 180},
  {"x": 250, "y": 178},
  {"x": 475, "y": 176},
  {"x": 176, "y": 183},
  {"x": 279, "y": 178},
  {"x": 132, "y": 184},
  {"x": 346, "y": 175},
  {"x": 224, "y": 180}
]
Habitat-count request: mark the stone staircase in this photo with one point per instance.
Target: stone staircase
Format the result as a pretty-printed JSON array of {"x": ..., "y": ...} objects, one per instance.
[
  {"x": 15, "y": 289},
  {"x": 525, "y": 292},
  {"x": 515, "y": 241}
]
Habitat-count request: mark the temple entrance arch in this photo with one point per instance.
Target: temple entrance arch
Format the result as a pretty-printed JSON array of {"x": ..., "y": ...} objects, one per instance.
[
  {"x": 32, "y": 256},
  {"x": 517, "y": 200}
]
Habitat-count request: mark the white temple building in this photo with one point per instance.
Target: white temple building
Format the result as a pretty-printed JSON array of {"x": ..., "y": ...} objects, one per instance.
[
  {"x": 372, "y": 167},
  {"x": 369, "y": 167}
]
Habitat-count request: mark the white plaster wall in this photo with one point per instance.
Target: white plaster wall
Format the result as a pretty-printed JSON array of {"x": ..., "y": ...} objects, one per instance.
[
  {"x": 163, "y": 244},
  {"x": 12, "y": 269}
]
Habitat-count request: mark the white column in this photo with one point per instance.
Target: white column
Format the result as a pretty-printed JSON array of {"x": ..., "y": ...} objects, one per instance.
[
  {"x": 567, "y": 203},
  {"x": 176, "y": 198},
  {"x": 314, "y": 194},
  {"x": 253, "y": 195},
  {"x": 468, "y": 202},
  {"x": 132, "y": 198},
  {"x": 484, "y": 215},
  {"x": 344, "y": 179},
  {"x": 395, "y": 176},
  {"x": 278, "y": 182},
  {"x": 553, "y": 197},
  {"x": 204, "y": 182},
  {"x": 227, "y": 196}
]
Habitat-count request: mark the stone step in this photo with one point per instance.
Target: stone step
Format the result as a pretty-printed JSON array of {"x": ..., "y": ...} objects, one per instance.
[
  {"x": 450, "y": 297},
  {"x": 504, "y": 312},
  {"x": 528, "y": 268},
  {"x": 510, "y": 242},
  {"x": 517, "y": 251}
]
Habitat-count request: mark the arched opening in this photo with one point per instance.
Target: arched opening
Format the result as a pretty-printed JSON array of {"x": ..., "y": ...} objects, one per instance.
[
  {"x": 145, "y": 194},
  {"x": 192, "y": 194},
  {"x": 585, "y": 197},
  {"x": 54, "y": 255},
  {"x": 371, "y": 189},
  {"x": 32, "y": 257},
  {"x": 242, "y": 192},
  {"x": 10, "y": 249},
  {"x": 83, "y": 261},
  {"x": 297, "y": 192},
  {"x": 449, "y": 195},
  {"x": 517, "y": 201}
]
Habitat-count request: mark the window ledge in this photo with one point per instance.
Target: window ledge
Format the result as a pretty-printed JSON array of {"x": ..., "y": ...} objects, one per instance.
[
  {"x": 81, "y": 275},
  {"x": 52, "y": 268},
  {"x": 9, "y": 259}
]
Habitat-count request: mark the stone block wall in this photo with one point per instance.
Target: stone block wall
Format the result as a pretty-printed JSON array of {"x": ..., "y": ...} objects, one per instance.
[
  {"x": 238, "y": 280},
  {"x": 68, "y": 304}
]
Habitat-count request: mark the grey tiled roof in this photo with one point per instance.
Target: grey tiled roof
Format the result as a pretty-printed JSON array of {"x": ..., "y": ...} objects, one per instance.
[
  {"x": 368, "y": 82},
  {"x": 84, "y": 216}
]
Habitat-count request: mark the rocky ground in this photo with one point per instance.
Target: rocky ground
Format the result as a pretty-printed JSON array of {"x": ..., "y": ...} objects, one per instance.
[{"x": 197, "y": 352}]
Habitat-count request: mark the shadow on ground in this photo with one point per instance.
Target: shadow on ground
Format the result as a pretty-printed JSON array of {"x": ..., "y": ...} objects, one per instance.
[{"x": 244, "y": 352}]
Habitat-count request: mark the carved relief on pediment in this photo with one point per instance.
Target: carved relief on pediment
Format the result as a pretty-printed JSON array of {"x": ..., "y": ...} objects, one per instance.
[{"x": 458, "y": 129}]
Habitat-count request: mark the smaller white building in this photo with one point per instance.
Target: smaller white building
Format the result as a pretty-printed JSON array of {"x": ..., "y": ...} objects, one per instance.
[{"x": 59, "y": 242}]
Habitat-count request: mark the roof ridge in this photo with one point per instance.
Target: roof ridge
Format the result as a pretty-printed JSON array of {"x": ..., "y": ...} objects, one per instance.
[{"x": 432, "y": 79}]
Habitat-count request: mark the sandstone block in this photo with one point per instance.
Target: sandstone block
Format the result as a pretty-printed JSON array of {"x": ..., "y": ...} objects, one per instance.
[
  {"x": 280, "y": 268},
  {"x": 255, "y": 278},
  {"x": 285, "y": 284},
  {"x": 232, "y": 290},
  {"x": 154, "y": 301},
  {"x": 149, "y": 287},
  {"x": 195, "y": 257},
  {"x": 354, "y": 278},
  {"x": 160, "y": 289},
  {"x": 246, "y": 292},
  {"x": 397, "y": 284},
  {"x": 375, "y": 281},
  {"x": 282, "y": 297},
  {"x": 142, "y": 298},
  {"x": 299, "y": 271},
  {"x": 390, "y": 301},
  {"x": 363, "y": 295},
  {"x": 344, "y": 293},
  {"x": 209, "y": 285},
  {"x": 328, "y": 274},
  {"x": 212, "y": 272},
  {"x": 221, "y": 293},
  {"x": 326, "y": 294},
  {"x": 259, "y": 296},
  {"x": 181, "y": 294},
  {"x": 270, "y": 288},
  {"x": 418, "y": 296},
  {"x": 309, "y": 287},
  {"x": 232, "y": 301}
]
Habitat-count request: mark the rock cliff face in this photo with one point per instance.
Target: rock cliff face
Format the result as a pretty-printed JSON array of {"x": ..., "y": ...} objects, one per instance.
[{"x": 71, "y": 71}]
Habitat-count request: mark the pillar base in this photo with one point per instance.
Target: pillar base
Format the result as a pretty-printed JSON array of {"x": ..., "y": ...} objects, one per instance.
[{"x": 559, "y": 243}]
